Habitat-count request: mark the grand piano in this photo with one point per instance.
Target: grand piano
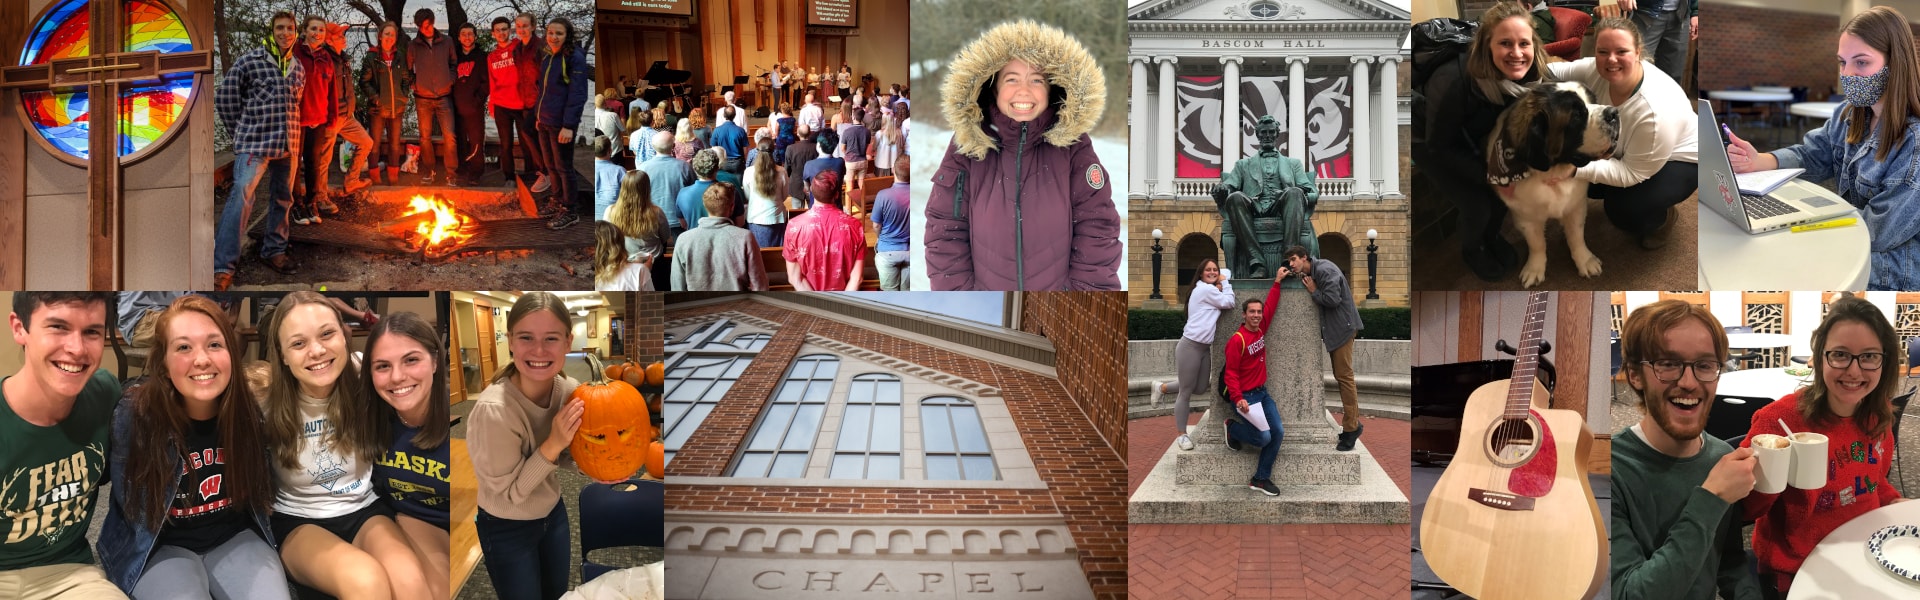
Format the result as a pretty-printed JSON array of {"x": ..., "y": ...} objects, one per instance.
[
  {"x": 668, "y": 86},
  {"x": 1440, "y": 395}
]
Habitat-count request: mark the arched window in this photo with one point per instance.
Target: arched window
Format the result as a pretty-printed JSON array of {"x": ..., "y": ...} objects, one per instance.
[
  {"x": 869, "y": 444},
  {"x": 955, "y": 441},
  {"x": 781, "y": 441}
]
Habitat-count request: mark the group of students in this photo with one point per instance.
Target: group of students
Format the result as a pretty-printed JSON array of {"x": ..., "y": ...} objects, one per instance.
[
  {"x": 790, "y": 82},
  {"x": 228, "y": 479},
  {"x": 716, "y": 196},
  {"x": 288, "y": 100},
  {"x": 1681, "y": 497}
]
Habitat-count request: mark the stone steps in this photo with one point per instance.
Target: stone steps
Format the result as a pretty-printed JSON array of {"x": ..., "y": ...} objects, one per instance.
[
  {"x": 1382, "y": 405},
  {"x": 1373, "y": 499}
]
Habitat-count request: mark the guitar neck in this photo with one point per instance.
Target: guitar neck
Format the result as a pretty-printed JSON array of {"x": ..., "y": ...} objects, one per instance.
[{"x": 1527, "y": 361}]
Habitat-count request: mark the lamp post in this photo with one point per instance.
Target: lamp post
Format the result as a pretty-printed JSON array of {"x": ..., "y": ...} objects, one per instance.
[
  {"x": 1157, "y": 248},
  {"x": 1373, "y": 266}
]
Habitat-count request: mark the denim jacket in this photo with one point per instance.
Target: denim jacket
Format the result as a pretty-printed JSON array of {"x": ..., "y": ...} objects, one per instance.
[
  {"x": 125, "y": 542},
  {"x": 1883, "y": 190}
]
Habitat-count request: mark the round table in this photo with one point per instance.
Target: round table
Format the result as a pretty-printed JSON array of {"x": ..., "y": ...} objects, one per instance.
[
  {"x": 1732, "y": 259},
  {"x": 1840, "y": 568},
  {"x": 1817, "y": 110},
  {"x": 1750, "y": 341},
  {"x": 1771, "y": 384},
  {"x": 1750, "y": 96},
  {"x": 1773, "y": 88}
]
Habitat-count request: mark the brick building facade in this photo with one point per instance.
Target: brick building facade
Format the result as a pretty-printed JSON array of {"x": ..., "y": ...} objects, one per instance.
[{"x": 824, "y": 446}]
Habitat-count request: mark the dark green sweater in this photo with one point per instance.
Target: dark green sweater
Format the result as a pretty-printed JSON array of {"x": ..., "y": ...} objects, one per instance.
[{"x": 1672, "y": 538}]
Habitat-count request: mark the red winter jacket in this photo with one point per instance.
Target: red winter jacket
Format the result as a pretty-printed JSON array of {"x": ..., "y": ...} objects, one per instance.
[{"x": 1247, "y": 351}]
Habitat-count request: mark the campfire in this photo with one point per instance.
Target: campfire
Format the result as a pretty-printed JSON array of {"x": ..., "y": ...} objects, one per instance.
[{"x": 437, "y": 227}]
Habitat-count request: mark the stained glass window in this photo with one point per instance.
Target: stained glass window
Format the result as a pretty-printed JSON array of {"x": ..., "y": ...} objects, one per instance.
[{"x": 147, "y": 110}]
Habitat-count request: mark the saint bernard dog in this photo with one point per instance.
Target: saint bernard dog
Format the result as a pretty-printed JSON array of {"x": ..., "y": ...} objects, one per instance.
[{"x": 1541, "y": 138}]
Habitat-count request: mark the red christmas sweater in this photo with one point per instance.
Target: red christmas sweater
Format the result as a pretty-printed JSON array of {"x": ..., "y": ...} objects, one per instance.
[
  {"x": 1788, "y": 524},
  {"x": 1247, "y": 351}
]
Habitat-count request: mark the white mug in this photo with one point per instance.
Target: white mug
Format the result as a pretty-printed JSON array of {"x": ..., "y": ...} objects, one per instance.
[
  {"x": 1773, "y": 463},
  {"x": 1809, "y": 461}
]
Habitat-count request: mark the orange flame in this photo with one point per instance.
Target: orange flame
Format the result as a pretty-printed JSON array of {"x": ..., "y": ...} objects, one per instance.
[{"x": 448, "y": 226}]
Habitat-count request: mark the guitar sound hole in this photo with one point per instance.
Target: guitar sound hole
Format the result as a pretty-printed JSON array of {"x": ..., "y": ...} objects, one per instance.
[{"x": 1512, "y": 441}]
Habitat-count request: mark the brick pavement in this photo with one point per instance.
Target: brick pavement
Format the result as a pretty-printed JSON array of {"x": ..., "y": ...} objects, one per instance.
[{"x": 1268, "y": 561}]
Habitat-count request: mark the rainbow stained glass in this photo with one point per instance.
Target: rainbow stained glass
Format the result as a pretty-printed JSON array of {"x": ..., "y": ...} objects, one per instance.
[{"x": 147, "y": 109}]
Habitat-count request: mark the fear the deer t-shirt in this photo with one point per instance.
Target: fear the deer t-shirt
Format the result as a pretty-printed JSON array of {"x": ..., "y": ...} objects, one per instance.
[
  {"x": 201, "y": 515},
  {"x": 49, "y": 477}
]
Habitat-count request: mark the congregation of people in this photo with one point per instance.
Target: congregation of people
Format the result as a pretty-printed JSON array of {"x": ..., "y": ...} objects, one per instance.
[{"x": 691, "y": 198}]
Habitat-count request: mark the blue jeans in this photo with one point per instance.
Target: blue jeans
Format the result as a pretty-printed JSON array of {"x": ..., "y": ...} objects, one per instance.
[
  {"x": 895, "y": 270},
  {"x": 1268, "y": 441},
  {"x": 247, "y": 170},
  {"x": 526, "y": 559},
  {"x": 431, "y": 110},
  {"x": 768, "y": 236}
]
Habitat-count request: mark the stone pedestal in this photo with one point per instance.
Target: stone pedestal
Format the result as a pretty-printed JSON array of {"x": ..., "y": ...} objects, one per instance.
[{"x": 1317, "y": 483}]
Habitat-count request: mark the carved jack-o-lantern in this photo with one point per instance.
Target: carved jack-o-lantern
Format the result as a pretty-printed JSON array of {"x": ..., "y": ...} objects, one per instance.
[{"x": 611, "y": 443}]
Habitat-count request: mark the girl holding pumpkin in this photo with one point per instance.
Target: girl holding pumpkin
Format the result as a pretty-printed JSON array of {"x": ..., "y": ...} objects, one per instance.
[
  {"x": 189, "y": 517},
  {"x": 336, "y": 535},
  {"x": 407, "y": 367},
  {"x": 516, "y": 433}
]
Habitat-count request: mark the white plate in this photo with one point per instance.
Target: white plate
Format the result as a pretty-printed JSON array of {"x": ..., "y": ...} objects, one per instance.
[{"x": 1897, "y": 549}]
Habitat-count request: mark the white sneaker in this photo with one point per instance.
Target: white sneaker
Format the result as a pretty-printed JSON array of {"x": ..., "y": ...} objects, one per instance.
[
  {"x": 1186, "y": 443},
  {"x": 1154, "y": 393},
  {"x": 541, "y": 185}
]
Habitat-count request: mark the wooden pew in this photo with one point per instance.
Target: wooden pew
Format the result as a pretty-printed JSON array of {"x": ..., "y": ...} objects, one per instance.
[{"x": 776, "y": 266}]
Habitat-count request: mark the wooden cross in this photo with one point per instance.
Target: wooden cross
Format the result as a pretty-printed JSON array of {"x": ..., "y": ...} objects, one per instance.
[{"x": 105, "y": 76}]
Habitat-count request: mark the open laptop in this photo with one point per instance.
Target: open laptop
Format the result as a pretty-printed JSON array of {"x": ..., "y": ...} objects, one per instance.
[{"x": 1793, "y": 203}]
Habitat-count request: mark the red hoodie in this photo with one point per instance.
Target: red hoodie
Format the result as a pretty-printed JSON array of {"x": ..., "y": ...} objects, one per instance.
[
  {"x": 503, "y": 76},
  {"x": 317, "y": 103},
  {"x": 1247, "y": 351},
  {"x": 1789, "y": 524}
]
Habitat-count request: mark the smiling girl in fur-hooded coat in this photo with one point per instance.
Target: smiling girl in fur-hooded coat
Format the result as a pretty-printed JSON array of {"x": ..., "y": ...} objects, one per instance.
[{"x": 1020, "y": 201}]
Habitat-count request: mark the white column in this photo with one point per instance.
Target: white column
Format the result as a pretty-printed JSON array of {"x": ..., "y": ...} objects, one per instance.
[
  {"x": 1167, "y": 127},
  {"x": 1138, "y": 128},
  {"x": 1297, "y": 110},
  {"x": 1390, "y": 123},
  {"x": 1362, "y": 144},
  {"x": 1230, "y": 114}
]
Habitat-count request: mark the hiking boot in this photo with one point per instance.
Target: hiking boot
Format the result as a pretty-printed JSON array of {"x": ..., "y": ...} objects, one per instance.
[
  {"x": 1347, "y": 438},
  {"x": 562, "y": 220},
  {"x": 280, "y": 262},
  {"x": 1154, "y": 393},
  {"x": 1265, "y": 486},
  {"x": 541, "y": 185},
  {"x": 356, "y": 184},
  {"x": 1185, "y": 443},
  {"x": 326, "y": 206}
]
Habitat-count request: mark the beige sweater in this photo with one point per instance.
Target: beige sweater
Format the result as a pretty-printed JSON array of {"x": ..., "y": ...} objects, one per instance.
[{"x": 503, "y": 437}]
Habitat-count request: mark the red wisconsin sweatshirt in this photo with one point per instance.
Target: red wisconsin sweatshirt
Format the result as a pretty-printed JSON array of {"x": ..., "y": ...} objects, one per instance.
[
  {"x": 1790, "y": 523},
  {"x": 1247, "y": 351}
]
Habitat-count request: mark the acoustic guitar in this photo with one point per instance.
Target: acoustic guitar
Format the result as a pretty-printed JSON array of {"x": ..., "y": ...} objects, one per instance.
[{"x": 1513, "y": 516}]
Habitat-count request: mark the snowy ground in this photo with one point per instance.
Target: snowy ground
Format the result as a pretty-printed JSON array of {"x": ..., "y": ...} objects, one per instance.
[{"x": 928, "y": 144}]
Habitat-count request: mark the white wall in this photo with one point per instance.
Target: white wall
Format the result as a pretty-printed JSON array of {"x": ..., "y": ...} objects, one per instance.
[{"x": 1803, "y": 312}]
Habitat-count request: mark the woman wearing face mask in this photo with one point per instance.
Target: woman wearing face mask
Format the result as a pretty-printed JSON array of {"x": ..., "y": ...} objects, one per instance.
[
  {"x": 1021, "y": 202},
  {"x": 1654, "y": 164},
  {"x": 1194, "y": 356},
  {"x": 1867, "y": 148},
  {"x": 407, "y": 369},
  {"x": 522, "y": 424},
  {"x": 191, "y": 485},
  {"x": 1465, "y": 97},
  {"x": 335, "y": 535},
  {"x": 1856, "y": 367}
]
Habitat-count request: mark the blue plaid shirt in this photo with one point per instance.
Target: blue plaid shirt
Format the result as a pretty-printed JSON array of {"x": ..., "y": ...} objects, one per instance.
[{"x": 260, "y": 102}]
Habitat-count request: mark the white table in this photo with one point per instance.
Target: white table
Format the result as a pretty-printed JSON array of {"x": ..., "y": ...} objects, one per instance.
[
  {"x": 1817, "y": 110},
  {"x": 1732, "y": 259},
  {"x": 1750, "y": 341},
  {"x": 1839, "y": 567},
  {"x": 1750, "y": 96},
  {"x": 1771, "y": 384},
  {"x": 1773, "y": 88}
]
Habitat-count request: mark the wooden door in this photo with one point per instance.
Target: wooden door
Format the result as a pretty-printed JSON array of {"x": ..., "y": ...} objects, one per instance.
[
  {"x": 456, "y": 372},
  {"x": 483, "y": 324}
]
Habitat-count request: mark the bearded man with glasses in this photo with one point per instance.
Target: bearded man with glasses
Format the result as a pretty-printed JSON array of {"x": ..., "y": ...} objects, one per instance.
[{"x": 1674, "y": 533}]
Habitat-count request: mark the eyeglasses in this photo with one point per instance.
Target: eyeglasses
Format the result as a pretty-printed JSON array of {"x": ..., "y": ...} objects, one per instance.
[
  {"x": 1668, "y": 371},
  {"x": 1869, "y": 361}
]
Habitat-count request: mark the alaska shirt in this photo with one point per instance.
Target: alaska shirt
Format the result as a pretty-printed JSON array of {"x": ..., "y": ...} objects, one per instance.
[
  {"x": 52, "y": 475},
  {"x": 328, "y": 482},
  {"x": 412, "y": 479},
  {"x": 1671, "y": 538},
  {"x": 1789, "y": 524},
  {"x": 201, "y": 515}
]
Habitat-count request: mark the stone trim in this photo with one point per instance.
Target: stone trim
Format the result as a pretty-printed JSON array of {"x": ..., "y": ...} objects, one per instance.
[
  {"x": 744, "y": 534},
  {"x": 965, "y": 386},
  {"x": 734, "y": 315}
]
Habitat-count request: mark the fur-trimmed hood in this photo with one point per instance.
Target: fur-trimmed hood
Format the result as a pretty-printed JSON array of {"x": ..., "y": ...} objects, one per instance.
[{"x": 1078, "y": 89}]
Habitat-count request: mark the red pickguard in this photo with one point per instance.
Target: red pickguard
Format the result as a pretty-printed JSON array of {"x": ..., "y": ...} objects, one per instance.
[{"x": 1535, "y": 478}]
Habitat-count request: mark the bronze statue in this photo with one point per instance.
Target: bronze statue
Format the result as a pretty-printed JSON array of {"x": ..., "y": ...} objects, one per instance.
[{"x": 1266, "y": 204}]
